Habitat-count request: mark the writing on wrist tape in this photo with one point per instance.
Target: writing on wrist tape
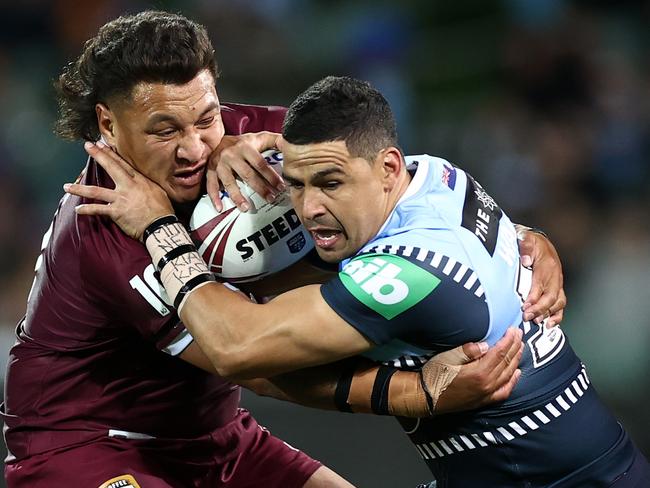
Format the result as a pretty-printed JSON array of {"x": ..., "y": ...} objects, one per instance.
[
  {"x": 180, "y": 267},
  {"x": 173, "y": 254},
  {"x": 158, "y": 223}
]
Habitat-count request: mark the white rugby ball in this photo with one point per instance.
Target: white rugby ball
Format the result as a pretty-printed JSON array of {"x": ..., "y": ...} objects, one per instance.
[{"x": 247, "y": 246}]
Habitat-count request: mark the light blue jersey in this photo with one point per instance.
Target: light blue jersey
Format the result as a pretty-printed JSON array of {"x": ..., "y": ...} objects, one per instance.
[
  {"x": 456, "y": 252},
  {"x": 445, "y": 270}
]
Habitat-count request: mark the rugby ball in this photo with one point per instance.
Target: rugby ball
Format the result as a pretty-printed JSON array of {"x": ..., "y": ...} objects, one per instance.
[{"x": 247, "y": 246}]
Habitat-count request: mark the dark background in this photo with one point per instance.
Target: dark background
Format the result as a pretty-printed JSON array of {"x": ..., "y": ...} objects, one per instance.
[{"x": 544, "y": 101}]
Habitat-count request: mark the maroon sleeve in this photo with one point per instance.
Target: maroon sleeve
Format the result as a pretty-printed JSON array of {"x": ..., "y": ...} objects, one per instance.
[
  {"x": 239, "y": 118},
  {"x": 118, "y": 274},
  {"x": 95, "y": 285}
]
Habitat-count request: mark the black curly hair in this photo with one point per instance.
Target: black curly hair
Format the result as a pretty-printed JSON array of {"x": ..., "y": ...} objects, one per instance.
[
  {"x": 151, "y": 46},
  {"x": 340, "y": 108}
]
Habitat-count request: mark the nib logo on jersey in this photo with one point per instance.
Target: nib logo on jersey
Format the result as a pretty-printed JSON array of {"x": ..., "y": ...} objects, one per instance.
[{"x": 386, "y": 283}]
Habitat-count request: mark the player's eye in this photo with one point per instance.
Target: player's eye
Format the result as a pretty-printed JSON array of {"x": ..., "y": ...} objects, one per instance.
[
  {"x": 166, "y": 132},
  {"x": 206, "y": 122},
  {"x": 332, "y": 185},
  {"x": 294, "y": 185}
]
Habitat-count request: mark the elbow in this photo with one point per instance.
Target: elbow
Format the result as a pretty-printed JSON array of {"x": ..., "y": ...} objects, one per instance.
[
  {"x": 234, "y": 373},
  {"x": 233, "y": 364},
  {"x": 249, "y": 354}
]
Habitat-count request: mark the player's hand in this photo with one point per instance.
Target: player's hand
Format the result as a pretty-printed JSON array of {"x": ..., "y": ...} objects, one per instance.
[
  {"x": 135, "y": 202},
  {"x": 239, "y": 156},
  {"x": 488, "y": 378},
  {"x": 546, "y": 299}
]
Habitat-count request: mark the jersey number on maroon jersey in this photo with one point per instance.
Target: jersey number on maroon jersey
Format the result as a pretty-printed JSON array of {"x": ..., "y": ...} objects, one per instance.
[{"x": 151, "y": 290}]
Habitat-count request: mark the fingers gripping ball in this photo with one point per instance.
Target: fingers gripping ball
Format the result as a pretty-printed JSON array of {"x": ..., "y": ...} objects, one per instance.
[{"x": 247, "y": 246}]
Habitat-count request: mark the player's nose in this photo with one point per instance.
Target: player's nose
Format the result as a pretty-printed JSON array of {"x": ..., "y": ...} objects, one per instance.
[
  {"x": 311, "y": 206},
  {"x": 191, "y": 147}
]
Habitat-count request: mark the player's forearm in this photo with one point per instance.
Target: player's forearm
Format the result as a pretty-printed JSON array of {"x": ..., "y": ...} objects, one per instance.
[
  {"x": 438, "y": 387},
  {"x": 217, "y": 317},
  {"x": 240, "y": 338},
  {"x": 358, "y": 385},
  {"x": 319, "y": 386},
  {"x": 382, "y": 390},
  {"x": 210, "y": 314},
  {"x": 245, "y": 340},
  {"x": 264, "y": 387},
  {"x": 310, "y": 387}
]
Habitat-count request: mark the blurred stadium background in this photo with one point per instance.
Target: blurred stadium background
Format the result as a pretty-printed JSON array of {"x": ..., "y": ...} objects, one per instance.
[{"x": 546, "y": 102}]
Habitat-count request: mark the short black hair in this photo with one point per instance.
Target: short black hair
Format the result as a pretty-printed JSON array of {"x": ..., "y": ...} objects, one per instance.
[
  {"x": 342, "y": 108},
  {"x": 151, "y": 46}
]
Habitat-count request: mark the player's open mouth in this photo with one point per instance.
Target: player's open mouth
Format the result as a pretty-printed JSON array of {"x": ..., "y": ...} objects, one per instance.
[
  {"x": 191, "y": 177},
  {"x": 325, "y": 238}
]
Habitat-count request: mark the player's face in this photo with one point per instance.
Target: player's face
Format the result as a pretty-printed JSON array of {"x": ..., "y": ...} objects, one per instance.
[
  {"x": 167, "y": 132},
  {"x": 342, "y": 200}
]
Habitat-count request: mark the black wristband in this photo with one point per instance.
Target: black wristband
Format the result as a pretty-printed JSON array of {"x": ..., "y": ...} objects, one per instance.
[
  {"x": 343, "y": 385},
  {"x": 157, "y": 224},
  {"x": 379, "y": 399},
  {"x": 190, "y": 285},
  {"x": 173, "y": 254}
]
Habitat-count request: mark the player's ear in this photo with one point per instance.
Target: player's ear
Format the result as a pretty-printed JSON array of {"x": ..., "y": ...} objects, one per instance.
[
  {"x": 105, "y": 122},
  {"x": 392, "y": 166}
]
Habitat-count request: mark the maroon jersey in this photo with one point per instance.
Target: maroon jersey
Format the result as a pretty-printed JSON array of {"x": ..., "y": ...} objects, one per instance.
[{"x": 95, "y": 351}]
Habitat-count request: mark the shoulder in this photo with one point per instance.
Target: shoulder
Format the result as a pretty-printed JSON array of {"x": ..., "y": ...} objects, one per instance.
[
  {"x": 239, "y": 118},
  {"x": 417, "y": 270},
  {"x": 431, "y": 173},
  {"x": 409, "y": 293}
]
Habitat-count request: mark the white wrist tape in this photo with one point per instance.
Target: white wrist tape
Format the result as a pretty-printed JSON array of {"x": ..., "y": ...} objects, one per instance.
[
  {"x": 180, "y": 265},
  {"x": 438, "y": 373}
]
